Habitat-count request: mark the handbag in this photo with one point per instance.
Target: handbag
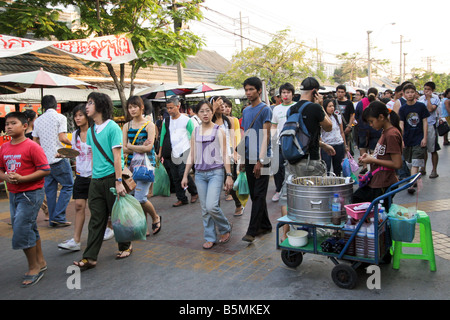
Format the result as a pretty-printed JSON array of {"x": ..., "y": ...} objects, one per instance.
[
  {"x": 353, "y": 164},
  {"x": 142, "y": 168},
  {"x": 127, "y": 176},
  {"x": 443, "y": 128}
]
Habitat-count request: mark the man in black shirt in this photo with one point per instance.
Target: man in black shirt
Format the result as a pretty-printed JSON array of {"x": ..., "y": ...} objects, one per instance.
[{"x": 315, "y": 118}]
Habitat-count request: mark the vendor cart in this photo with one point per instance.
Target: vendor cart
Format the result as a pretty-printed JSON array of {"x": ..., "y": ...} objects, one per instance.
[{"x": 344, "y": 274}]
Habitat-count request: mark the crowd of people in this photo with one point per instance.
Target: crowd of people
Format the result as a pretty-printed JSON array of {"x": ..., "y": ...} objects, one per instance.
[{"x": 203, "y": 152}]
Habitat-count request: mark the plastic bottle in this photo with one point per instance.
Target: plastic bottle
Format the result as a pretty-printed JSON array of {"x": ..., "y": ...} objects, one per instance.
[
  {"x": 336, "y": 210},
  {"x": 361, "y": 241},
  {"x": 349, "y": 228},
  {"x": 371, "y": 239}
]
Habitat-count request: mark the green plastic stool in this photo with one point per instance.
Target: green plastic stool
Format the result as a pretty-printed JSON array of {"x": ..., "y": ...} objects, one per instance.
[{"x": 426, "y": 244}]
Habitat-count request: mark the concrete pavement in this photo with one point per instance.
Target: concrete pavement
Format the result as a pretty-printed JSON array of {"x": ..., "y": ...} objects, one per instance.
[{"x": 173, "y": 266}]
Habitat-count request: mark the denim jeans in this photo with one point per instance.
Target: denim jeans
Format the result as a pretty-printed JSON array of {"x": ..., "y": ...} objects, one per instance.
[
  {"x": 24, "y": 208},
  {"x": 209, "y": 185},
  {"x": 61, "y": 173}
]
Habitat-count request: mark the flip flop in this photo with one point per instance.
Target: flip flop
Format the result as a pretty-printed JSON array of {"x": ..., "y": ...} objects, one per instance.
[
  {"x": 33, "y": 278},
  {"x": 155, "y": 226},
  {"x": 86, "y": 264},
  {"x": 229, "y": 236},
  {"x": 119, "y": 255},
  {"x": 208, "y": 246}
]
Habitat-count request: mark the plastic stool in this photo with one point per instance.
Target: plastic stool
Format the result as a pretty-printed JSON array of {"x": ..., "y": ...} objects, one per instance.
[{"x": 426, "y": 244}]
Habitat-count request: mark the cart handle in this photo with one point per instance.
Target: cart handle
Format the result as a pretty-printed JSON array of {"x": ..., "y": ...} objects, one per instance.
[{"x": 389, "y": 192}]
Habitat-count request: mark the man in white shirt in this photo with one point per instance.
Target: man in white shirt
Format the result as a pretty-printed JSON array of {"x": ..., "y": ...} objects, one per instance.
[
  {"x": 432, "y": 102},
  {"x": 49, "y": 131},
  {"x": 180, "y": 130},
  {"x": 287, "y": 92}
]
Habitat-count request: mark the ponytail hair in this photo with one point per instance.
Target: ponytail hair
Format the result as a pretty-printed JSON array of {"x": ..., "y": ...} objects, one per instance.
[
  {"x": 372, "y": 94},
  {"x": 376, "y": 108}
]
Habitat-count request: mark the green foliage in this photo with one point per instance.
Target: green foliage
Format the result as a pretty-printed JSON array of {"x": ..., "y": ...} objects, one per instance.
[
  {"x": 420, "y": 77},
  {"x": 280, "y": 61}
]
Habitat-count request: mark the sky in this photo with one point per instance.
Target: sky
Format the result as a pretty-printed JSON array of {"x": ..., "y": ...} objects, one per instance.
[{"x": 336, "y": 27}]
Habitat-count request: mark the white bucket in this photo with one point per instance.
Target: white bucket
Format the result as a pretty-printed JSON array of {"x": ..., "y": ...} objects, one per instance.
[{"x": 298, "y": 238}]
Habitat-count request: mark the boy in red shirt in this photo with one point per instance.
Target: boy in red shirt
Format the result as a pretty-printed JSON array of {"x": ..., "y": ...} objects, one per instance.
[{"x": 23, "y": 165}]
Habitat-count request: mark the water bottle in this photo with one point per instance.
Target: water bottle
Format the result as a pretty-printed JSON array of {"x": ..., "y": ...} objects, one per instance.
[
  {"x": 371, "y": 239},
  {"x": 336, "y": 210}
]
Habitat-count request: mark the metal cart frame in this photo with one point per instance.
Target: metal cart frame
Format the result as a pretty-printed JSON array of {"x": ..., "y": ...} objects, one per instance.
[{"x": 344, "y": 275}]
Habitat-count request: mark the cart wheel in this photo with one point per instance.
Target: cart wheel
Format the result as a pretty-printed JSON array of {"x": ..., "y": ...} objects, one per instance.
[
  {"x": 387, "y": 258},
  {"x": 344, "y": 276},
  {"x": 291, "y": 258}
]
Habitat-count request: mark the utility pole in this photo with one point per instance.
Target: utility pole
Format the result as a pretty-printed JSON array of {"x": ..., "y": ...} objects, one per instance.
[
  {"x": 240, "y": 29},
  {"x": 401, "y": 55},
  {"x": 369, "y": 61},
  {"x": 404, "y": 65}
]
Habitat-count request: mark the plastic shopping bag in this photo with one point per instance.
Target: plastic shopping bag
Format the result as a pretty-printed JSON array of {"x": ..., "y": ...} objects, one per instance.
[
  {"x": 128, "y": 219},
  {"x": 346, "y": 168},
  {"x": 142, "y": 168},
  {"x": 243, "y": 198},
  {"x": 161, "y": 186},
  {"x": 243, "y": 184}
]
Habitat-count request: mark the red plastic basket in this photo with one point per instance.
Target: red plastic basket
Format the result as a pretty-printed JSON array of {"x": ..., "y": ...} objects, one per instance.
[{"x": 357, "y": 214}]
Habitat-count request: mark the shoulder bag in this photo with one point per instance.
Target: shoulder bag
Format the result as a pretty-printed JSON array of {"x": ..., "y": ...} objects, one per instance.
[{"x": 127, "y": 176}]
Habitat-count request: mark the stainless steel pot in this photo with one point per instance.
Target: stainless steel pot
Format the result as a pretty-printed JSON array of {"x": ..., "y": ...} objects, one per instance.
[{"x": 309, "y": 198}]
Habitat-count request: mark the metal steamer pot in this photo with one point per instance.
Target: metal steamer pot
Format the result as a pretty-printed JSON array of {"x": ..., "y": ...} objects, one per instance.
[{"x": 309, "y": 199}]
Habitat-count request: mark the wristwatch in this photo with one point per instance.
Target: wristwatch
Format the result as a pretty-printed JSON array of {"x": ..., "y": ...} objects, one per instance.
[
  {"x": 229, "y": 174},
  {"x": 119, "y": 179},
  {"x": 261, "y": 160}
]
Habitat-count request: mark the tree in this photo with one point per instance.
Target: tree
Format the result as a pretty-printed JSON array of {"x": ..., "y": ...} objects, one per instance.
[
  {"x": 153, "y": 26},
  {"x": 355, "y": 66},
  {"x": 282, "y": 60}
]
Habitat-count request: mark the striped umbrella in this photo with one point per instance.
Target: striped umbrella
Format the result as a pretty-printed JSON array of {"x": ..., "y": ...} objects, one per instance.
[{"x": 42, "y": 79}]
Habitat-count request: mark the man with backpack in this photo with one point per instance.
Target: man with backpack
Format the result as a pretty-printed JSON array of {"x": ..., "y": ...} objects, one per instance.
[{"x": 314, "y": 118}]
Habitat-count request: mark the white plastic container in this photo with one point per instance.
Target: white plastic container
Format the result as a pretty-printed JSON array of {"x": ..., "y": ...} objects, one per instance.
[{"x": 298, "y": 238}]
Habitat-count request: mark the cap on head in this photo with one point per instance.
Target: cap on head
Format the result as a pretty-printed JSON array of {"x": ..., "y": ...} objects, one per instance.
[{"x": 310, "y": 83}]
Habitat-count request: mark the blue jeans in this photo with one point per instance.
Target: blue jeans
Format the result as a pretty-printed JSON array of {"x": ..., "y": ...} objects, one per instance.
[
  {"x": 336, "y": 160},
  {"x": 24, "y": 208},
  {"x": 61, "y": 173},
  {"x": 209, "y": 185}
]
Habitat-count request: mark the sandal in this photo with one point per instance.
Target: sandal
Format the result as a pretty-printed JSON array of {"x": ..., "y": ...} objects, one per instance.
[
  {"x": 84, "y": 264},
  {"x": 120, "y": 253},
  {"x": 34, "y": 278},
  {"x": 239, "y": 211},
  {"x": 208, "y": 245},
  {"x": 155, "y": 226},
  {"x": 229, "y": 235}
]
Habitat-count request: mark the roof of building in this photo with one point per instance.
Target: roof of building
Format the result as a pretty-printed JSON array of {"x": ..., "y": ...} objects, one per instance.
[{"x": 203, "y": 67}]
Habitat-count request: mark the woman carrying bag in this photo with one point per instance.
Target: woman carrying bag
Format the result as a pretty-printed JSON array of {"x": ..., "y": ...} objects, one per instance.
[{"x": 138, "y": 139}]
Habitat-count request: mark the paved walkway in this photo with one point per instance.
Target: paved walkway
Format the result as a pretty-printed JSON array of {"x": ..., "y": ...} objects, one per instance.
[{"x": 172, "y": 265}]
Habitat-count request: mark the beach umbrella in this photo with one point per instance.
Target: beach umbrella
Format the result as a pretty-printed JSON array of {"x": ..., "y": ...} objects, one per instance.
[
  {"x": 42, "y": 79},
  {"x": 167, "y": 89},
  {"x": 209, "y": 87}
]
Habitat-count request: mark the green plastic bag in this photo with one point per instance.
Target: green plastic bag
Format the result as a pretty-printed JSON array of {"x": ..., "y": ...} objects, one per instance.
[
  {"x": 128, "y": 219},
  {"x": 243, "y": 184},
  {"x": 161, "y": 186}
]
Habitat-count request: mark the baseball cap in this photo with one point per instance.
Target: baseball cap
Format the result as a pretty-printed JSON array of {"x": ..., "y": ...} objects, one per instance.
[{"x": 311, "y": 83}]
